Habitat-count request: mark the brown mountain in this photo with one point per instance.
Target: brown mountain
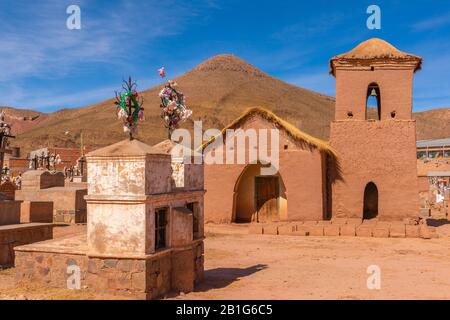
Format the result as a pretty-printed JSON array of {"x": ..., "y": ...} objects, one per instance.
[
  {"x": 22, "y": 120},
  {"x": 433, "y": 124},
  {"x": 218, "y": 91}
]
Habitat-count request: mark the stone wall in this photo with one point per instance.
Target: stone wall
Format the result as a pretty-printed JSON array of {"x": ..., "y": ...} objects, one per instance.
[{"x": 146, "y": 278}]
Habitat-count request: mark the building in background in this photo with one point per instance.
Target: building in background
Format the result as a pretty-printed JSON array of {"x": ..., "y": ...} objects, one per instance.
[
  {"x": 433, "y": 149},
  {"x": 69, "y": 156},
  {"x": 433, "y": 169}
]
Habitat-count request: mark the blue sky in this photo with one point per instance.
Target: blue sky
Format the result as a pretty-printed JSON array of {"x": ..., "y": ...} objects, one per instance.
[{"x": 44, "y": 66}]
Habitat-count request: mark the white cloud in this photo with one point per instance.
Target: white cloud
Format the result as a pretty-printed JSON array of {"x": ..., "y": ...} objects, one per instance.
[
  {"x": 432, "y": 23},
  {"x": 36, "y": 44}
]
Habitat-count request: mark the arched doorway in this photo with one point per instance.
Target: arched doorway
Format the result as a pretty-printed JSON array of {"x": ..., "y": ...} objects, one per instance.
[
  {"x": 373, "y": 103},
  {"x": 259, "y": 198},
  {"x": 370, "y": 210}
]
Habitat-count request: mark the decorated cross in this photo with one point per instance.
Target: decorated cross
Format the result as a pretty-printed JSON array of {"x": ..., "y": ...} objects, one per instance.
[
  {"x": 129, "y": 107},
  {"x": 173, "y": 104}
]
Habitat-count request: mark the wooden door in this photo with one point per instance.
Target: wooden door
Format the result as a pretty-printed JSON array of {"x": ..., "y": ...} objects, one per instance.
[{"x": 267, "y": 194}]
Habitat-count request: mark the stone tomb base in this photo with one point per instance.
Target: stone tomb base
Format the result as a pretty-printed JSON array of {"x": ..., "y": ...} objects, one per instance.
[
  {"x": 12, "y": 236},
  {"x": 146, "y": 277}
]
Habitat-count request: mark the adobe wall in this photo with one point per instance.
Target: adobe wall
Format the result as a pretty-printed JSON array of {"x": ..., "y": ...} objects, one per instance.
[
  {"x": 302, "y": 173},
  {"x": 9, "y": 212},
  {"x": 145, "y": 278},
  {"x": 436, "y": 165},
  {"x": 106, "y": 217},
  {"x": 35, "y": 180},
  {"x": 17, "y": 235},
  {"x": 69, "y": 205},
  {"x": 382, "y": 152},
  {"x": 220, "y": 181},
  {"x": 32, "y": 211},
  {"x": 395, "y": 86},
  {"x": 301, "y": 170},
  {"x": 8, "y": 190},
  {"x": 193, "y": 176}
]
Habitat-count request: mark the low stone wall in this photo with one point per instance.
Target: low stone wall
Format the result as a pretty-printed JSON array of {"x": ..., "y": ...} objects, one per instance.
[
  {"x": 347, "y": 228},
  {"x": 17, "y": 235},
  {"x": 138, "y": 278}
]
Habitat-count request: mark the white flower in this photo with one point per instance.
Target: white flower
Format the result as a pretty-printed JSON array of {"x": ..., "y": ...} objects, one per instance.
[{"x": 121, "y": 114}]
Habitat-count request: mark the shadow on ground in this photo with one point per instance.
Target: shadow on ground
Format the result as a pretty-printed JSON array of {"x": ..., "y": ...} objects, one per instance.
[{"x": 223, "y": 277}]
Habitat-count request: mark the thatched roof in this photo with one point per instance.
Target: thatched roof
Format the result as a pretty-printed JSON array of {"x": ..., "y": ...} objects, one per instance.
[
  {"x": 375, "y": 49},
  {"x": 289, "y": 128}
]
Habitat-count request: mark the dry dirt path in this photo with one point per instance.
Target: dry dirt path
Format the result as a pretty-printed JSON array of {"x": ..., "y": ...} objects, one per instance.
[{"x": 243, "y": 266}]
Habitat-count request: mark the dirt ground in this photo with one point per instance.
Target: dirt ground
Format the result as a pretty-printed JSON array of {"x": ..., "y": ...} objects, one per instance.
[{"x": 243, "y": 266}]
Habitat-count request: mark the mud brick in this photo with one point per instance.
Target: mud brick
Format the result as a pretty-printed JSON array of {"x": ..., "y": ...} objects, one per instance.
[
  {"x": 331, "y": 231},
  {"x": 425, "y": 213},
  {"x": 410, "y": 221},
  {"x": 354, "y": 221},
  {"x": 287, "y": 229},
  {"x": 434, "y": 234},
  {"x": 271, "y": 229},
  {"x": 398, "y": 230},
  {"x": 339, "y": 221},
  {"x": 424, "y": 232},
  {"x": 316, "y": 231},
  {"x": 364, "y": 230},
  {"x": 302, "y": 231},
  {"x": 348, "y": 230},
  {"x": 427, "y": 232},
  {"x": 370, "y": 222},
  {"x": 412, "y": 231},
  {"x": 310, "y": 223},
  {"x": 324, "y": 222},
  {"x": 255, "y": 228},
  {"x": 381, "y": 231}
]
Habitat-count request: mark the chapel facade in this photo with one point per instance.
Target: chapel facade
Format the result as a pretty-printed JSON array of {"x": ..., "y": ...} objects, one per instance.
[{"x": 366, "y": 171}]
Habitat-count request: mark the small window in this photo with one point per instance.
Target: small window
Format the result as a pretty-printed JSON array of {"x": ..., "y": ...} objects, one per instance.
[
  {"x": 160, "y": 228},
  {"x": 349, "y": 114},
  {"x": 421, "y": 155}
]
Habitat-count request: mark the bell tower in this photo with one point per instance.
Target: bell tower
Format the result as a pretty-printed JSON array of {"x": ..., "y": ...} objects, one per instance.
[{"x": 374, "y": 133}]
